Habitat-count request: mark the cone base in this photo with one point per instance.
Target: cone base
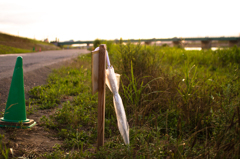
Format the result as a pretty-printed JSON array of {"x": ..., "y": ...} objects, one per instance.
[{"x": 28, "y": 124}]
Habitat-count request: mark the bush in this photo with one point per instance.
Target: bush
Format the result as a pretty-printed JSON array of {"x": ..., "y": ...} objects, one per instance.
[{"x": 96, "y": 43}]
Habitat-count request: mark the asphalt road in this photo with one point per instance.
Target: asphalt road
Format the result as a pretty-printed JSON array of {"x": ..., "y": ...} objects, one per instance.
[{"x": 32, "y": 61}]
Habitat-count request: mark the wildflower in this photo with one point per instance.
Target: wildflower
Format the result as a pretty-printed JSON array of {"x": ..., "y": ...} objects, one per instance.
[{"x": 212, "y": 97}]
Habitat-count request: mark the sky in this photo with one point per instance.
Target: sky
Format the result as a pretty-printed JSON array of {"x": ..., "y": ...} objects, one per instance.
[{"x": 127, "y": 19}]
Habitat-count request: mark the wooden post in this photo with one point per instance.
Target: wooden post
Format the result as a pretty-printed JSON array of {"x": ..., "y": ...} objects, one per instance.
[{"x": 101, "y": 95}]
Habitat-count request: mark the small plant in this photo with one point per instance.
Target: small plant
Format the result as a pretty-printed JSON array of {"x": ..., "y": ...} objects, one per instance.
[
  {"x": 30, "y": 108},
  {"x": 3, "y": 149}
]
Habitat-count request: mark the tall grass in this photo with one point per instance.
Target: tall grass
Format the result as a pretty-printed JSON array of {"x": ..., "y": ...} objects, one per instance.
[
  {"x": 197, "y": 94},
  {"x": 179, "y": 104}
]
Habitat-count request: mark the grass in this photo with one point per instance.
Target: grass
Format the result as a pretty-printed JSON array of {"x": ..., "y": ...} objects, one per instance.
[
  {"x": 179, "y": 104},
  {"x": 3, "y": 148},
  {"x": 15, "y": 44},
  {"x": 8, "y": 49}
]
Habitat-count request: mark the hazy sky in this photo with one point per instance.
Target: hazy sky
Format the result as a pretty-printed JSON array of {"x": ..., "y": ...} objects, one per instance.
[{"x": 111, "y": 19}]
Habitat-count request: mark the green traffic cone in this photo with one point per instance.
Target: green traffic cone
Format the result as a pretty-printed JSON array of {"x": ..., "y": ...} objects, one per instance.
[{"x": 15, "y": 112}]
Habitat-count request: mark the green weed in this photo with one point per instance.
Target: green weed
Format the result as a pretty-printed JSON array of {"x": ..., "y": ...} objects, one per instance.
[{"x": 3, "y": 149}]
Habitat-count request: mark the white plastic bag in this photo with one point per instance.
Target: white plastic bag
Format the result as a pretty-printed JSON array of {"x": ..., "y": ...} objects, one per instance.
[{"x": 113, "y": 81}]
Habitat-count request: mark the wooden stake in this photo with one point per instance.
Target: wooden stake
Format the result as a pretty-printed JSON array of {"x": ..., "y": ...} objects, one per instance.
[{"x": 101, "y": 95}]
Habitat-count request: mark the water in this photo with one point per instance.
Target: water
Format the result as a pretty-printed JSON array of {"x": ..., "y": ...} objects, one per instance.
[
  {"x": 80, "y": 45},
  {"x": 199, "y": 48}
]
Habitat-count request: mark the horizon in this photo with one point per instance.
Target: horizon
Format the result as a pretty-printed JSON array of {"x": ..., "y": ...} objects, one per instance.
[{"x": 109, "y": 20}]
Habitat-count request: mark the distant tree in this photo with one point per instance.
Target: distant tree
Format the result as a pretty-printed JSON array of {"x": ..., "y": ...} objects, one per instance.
[
  {"x": 96, "y": 43},
  {"x": 121, "y": 41}
]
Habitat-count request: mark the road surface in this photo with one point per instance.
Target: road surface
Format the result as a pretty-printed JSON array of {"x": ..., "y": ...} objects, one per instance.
[{"x": 32, "y": 61}]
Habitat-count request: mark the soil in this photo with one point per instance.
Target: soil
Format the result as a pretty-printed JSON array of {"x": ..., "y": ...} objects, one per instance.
[{"x": 36, "y": 140}]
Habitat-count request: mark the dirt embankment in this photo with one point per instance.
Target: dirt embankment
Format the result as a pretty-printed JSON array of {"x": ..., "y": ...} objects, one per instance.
[
  {"x": 36, "y": 140},
  {"x": 24, "y": 43}
]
